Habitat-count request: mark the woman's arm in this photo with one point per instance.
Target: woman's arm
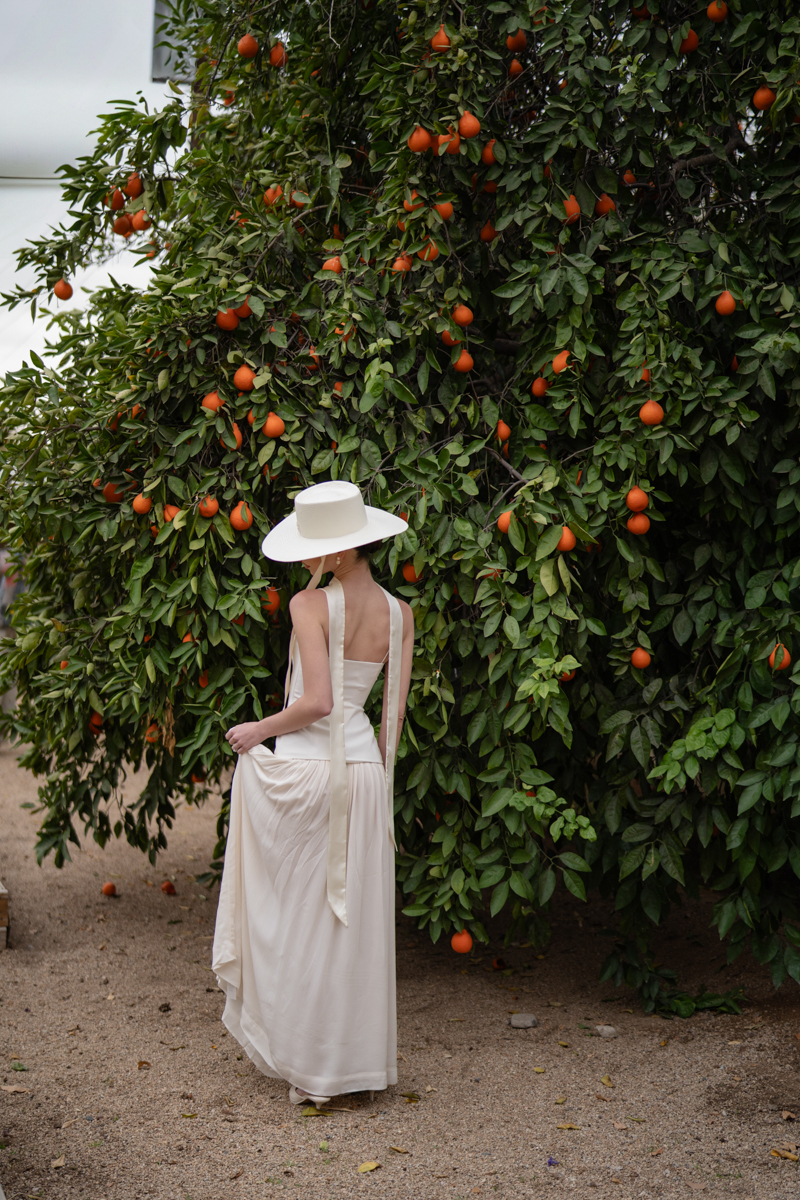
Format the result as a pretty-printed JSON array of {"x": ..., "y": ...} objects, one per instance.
[
  {"x": 308, "y": 611},
  {"x": 406, "y": 660}
]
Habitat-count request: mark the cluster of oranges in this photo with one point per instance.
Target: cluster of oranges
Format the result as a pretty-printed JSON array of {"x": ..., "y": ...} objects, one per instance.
[{"x": 247, "y": 47}]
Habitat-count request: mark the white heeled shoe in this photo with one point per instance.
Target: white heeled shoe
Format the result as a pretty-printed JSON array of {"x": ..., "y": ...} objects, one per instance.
[{"x": 297, "y": 1096}]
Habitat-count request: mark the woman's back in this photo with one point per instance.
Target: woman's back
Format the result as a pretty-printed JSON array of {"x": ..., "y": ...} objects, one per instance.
[{"x": 366, "y": 622}]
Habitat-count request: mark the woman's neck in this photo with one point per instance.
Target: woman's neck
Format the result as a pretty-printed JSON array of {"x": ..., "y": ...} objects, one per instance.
[{"x": 352, "y": 568}]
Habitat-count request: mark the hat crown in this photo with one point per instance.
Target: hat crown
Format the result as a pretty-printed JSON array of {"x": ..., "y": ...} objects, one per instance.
[{"x": 330, "y": 510}]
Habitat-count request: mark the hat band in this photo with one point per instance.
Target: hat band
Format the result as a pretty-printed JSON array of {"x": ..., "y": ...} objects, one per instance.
[{"x": 333, "y": 519}]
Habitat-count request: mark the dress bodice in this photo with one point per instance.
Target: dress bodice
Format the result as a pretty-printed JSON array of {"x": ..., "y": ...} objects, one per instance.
[{"x": 314, "y": 741}]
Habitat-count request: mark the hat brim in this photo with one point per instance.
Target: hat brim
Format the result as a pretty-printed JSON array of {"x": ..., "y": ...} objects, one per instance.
[{"x": 285, "y": 543}]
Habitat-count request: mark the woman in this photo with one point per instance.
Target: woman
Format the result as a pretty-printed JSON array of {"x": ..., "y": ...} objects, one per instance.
[{"x": 304, "y": 941}]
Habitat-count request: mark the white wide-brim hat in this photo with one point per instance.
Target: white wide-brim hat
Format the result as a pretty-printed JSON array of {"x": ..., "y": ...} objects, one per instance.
[{"x": 328, "y": 518}]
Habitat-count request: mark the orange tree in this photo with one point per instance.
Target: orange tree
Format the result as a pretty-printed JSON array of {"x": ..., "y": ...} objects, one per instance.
[{"x": 526, "y": 273}]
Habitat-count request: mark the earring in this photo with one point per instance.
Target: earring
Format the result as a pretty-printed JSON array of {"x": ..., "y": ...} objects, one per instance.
[{"x": 338, "y": 560}]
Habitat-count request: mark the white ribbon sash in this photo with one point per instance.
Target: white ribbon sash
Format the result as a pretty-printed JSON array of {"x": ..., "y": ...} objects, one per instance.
[{"x": 338, "y": 820}]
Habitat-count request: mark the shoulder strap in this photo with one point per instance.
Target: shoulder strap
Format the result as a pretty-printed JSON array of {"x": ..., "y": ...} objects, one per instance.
[
  {"x": 337, "y": 828},
  {"x": 310, "y": 586},
  {"x": 392, "y": 691}
]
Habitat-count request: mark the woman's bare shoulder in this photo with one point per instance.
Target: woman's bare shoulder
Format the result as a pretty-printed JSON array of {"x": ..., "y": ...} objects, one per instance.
[{"x": 308, "y": 604}]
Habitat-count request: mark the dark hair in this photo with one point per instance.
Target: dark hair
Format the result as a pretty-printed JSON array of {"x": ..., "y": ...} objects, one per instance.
[{"x": 368, "y": 550}]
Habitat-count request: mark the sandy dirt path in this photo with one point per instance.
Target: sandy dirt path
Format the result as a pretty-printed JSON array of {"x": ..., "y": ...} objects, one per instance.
[{"x": 133, "y": 1085}]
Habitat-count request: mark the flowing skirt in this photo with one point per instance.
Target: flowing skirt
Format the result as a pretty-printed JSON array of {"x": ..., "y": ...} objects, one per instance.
[{"x": 311, "y": 1001}]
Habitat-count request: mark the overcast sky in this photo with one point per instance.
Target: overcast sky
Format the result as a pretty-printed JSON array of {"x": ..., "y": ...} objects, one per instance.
[{"x": 61, "y": 61}]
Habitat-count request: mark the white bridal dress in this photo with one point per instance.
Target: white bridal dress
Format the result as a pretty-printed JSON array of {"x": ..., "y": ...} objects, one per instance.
[{"x": 304, "y": 941}]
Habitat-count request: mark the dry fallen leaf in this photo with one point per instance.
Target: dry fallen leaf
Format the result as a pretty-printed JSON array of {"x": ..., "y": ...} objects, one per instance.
[
  {"x": 12, "y": 1087},
  {"x": 143, "y": 1065},
  {"x": 564, "y": 1044},
  {"x": 615, "y": 1180},
  {"x": 630, "y": 1010},
  {"x": 538, "y": 1070},
  {"x": 59, "y": 1162},
  {"x": 653, "y": 1153},
  {"x": 567, "y": 1126},
  {"x": 311, "y": 1111},
  {"x": 398, "y": 1150},
  {"x": 788, "y": 1116},
  {"x": 620, "y": 1125},
  {"x": 428, "y": 1088},
  {"x": 410, "y": 1097},
  {"x": 784, "y": 1154},
  {"x": 189, "y": 1116},
  {"x": 561, "y": 1099},
  {"x": 606, "y": 1079},
  {"x": 556, "y": 1003},
  {"x": 606, "y": 1098},
  {"x": 664, "y": 1042},
  {"x": 110, "y": 996},
  {"x": 638, "y": 1120},
  {"x": 368, "y": 1166},
  {"x": 238, "y": 1173}
]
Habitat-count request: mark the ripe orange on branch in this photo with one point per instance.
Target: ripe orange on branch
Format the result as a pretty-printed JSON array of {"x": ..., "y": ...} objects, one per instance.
[
  {"x": 638, "y": 523},
  {"x": 717, "y": 11},
  {"x": 272, "y": 601},
  {"x": 462, "y": 315},
  {"x": 637, "y": 500},
  {"x": 725, "y": 304},
  {"x": 241, "y": 517},
  {"x": 273, "y": 426},
  {"x": 170, "y": 512},
  {"x": 651, "y": 413},
  {"x": 277, "y": 55},
  {"x": 572, "y": 209},
  {"x": 567, "y": 540},
  {"x": 247, "y": 46},
  {"x": 516, "y": 41},
  {"x": 333, "y": 264},
  {"x": 212, "y": 401},
  {"x": 503, "y": 522},
  {"x": 503, "y": 431},
  {"x": 461, "y": 942},
  {"x": 780, "y": 658},
  {"x": 409, "y": 574},
  {"x": 640, "y": 658},
  {"x": 208, "y": 507},
  {"x": 228, "y": 319},
  {"x": 469, "y": 125},
  {"x": 420, "y": 140},
  {"x": 440, "y": 41},
  {"x": 539, "y": 386},
  {"x": 690, "y": 43},
  {"x": 487, "y": 153},
  {"x": 63, "y": 290},
  {"x": 142, "y": 504},
  {"x": 560, "y": 362},
  {"x": 604, "y": 205},
  {"x": 463, "y": 363},
  {"x": 243, "y": 379},
  {"x": 763, "y": 98}
]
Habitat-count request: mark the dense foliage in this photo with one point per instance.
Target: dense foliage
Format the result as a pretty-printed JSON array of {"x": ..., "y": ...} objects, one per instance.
[{"x": 626, "y": 173}]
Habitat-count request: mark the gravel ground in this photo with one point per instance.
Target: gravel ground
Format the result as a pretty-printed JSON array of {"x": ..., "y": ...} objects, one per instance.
[{"x": 133, "y": 1088}]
